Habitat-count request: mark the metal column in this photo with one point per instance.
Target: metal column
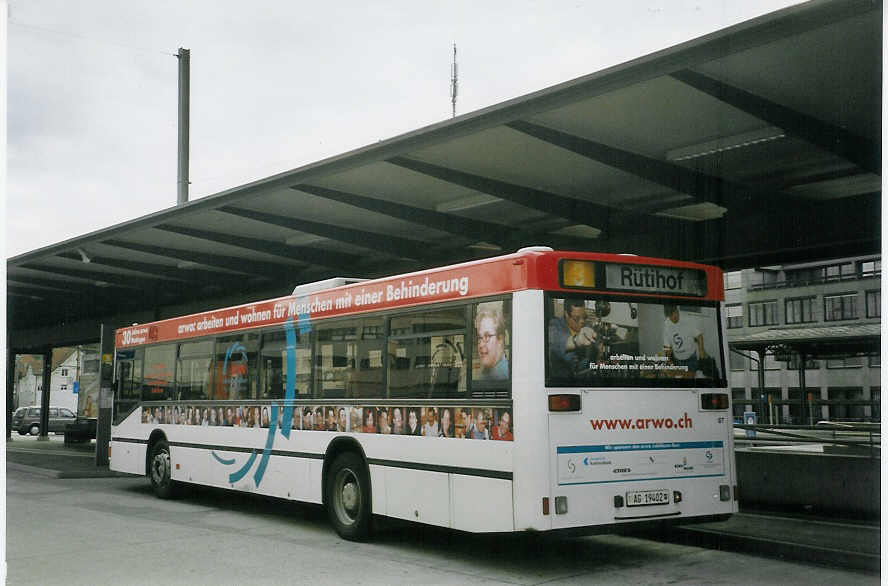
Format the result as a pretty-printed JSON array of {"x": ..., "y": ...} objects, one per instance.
[
  {"x": 106, "y": 395},
  {"x": 44, "y": 395},
  {"x": 10, "y": 388}
]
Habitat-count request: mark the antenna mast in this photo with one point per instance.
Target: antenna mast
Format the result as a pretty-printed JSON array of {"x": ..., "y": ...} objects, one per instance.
[{"x": 454, "y": 84}]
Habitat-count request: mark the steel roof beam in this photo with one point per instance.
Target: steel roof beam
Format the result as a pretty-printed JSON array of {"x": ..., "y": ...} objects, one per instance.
[
  {"x": 471, "y": 229},
  {"x": 609, "y": 220},
  {"x": 25, "y": 291},
  {"x": 861, "y": 151},
  {"x": 474, "y": 230},
  {"x": 65, "y": 286},
  {"x": 506, "y": 237},
  {"x": 702, "y": 187},
  {"x": 154, "y": 269},
  {"x": 305, "y": 254},
  {"x": 263, "y": 269},
  {"x": 576, "y": 210},
  {"x": 104, "y": 277},
  {"x": 393, "y": 245}
]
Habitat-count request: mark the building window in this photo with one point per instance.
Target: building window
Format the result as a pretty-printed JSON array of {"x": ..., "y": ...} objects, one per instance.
[
  {"x": 846, "y": 403},
  {"x": 771, "y": 362},
  {"x": 793, "y": 363},
  {"x": 63, "y": 388},
  {"x": 876, "y": 360},
  {"x": 734, "y": 315},
  {"x": 737, "y": 361},
  {"x": 800, "y": 310},
  {"x": 738, "y": 402},
  {"x": 874, "y": 303},
  {"x": 870, "y": 268},
  {"x": 845, "y": 362},
  {"x": 763, "y": 313},
  {"x": 839, "y": 307},
  {"x": 840, "y": 272},
  {"x": 803, "y": 277},
  {"x": 734, "y": 280},
  {"x": 64, "y": 372}
]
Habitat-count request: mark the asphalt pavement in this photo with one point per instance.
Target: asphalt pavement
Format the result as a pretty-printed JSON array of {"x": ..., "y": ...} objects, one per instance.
[
  {"x": 781, "y": 534},
  {"x": 53, "y": 458}
]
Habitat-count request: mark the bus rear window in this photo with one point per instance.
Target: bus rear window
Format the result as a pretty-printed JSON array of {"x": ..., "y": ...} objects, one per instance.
[{"x": 594, "y": 341}]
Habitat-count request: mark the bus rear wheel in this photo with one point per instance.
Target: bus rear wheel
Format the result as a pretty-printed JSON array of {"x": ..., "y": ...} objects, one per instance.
[
  {"x": 348, "y": 497},
  {"x": 159, "y": 470}
]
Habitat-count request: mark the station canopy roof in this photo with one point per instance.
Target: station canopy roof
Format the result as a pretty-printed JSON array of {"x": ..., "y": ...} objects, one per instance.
[
  {"x": 815, "y": 342},
  {"x": 756, "y": 144}
]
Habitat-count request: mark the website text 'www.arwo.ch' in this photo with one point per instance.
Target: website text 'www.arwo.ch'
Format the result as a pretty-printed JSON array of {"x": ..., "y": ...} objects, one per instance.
[{"x": 683, "y": 422}]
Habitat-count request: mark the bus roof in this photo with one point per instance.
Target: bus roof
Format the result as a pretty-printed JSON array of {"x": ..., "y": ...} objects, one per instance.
[{"x": 533, "y": 268}]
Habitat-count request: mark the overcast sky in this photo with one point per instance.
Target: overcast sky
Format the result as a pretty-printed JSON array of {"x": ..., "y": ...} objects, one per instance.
[{"x": 92, "y": 100}]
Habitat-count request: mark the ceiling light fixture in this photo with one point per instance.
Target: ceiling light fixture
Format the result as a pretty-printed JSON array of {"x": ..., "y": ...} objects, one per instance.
[
  {"x": 726, "y": 143},
  {"x": 83, "y": 256}
]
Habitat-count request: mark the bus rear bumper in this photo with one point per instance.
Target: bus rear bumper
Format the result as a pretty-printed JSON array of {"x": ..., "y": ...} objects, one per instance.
[{"x": 636, "y": 527}]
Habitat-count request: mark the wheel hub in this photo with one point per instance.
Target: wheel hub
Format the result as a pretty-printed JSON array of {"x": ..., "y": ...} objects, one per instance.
[
  {"x": 350, "y": 497},
  {"x": 160, "y": 468}
]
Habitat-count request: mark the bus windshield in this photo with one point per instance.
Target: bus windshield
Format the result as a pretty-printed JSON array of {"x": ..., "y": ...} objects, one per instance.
[{"x": 597, "y": 341}]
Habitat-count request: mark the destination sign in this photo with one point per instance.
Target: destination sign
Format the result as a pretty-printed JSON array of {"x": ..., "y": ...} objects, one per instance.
[{"x": 655, "y": 279}]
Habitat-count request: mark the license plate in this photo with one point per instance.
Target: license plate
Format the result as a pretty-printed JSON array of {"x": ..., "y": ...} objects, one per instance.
[{"x": 647, "y": 497}]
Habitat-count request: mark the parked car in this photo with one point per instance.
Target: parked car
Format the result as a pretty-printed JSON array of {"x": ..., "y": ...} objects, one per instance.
[{"x": 27, "y": 419}]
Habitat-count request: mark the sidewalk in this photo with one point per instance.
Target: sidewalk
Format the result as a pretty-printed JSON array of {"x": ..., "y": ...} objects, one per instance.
[
  {"x": 833, "y": 542},
  {"x": 54, "y": 459}
]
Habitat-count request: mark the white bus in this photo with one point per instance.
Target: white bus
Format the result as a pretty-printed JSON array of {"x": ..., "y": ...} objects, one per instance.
[{"x": 535, "y": 391}]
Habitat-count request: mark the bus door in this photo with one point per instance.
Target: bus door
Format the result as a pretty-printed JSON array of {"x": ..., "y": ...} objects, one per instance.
[{"x": 127, "y": 390}]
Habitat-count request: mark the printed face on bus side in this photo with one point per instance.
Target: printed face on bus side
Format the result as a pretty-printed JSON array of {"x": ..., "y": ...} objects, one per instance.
[
  {"x": 504, "y": 423},
  {"x": 490, "y": 346},
  {"x": 445, "y": 420}
]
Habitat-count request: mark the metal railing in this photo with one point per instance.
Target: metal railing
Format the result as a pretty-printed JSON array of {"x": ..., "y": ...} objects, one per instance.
[{"x": 861, "y": 437}]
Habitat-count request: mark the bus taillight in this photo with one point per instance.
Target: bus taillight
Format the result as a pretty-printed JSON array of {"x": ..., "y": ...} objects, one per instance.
[
  {"x": 714, "y": 401},
  {"x": 565, "y": 402}
]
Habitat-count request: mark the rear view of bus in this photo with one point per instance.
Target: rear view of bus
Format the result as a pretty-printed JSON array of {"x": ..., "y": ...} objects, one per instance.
[{"x": 637, "y": 419}]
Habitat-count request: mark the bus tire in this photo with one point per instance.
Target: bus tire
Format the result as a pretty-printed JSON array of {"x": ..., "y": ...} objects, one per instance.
[
  {"x": 348, "y": 497},
  {"x": 159, "y": 470}
]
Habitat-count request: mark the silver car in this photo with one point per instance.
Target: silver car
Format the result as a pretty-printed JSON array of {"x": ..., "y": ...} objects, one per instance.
[{"x": 27, "y": 419}]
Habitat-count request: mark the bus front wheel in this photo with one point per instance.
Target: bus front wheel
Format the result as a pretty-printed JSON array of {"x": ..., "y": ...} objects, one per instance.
[
  {"x": 348, "y": 497},
  {"x": 159, "y": 470}
]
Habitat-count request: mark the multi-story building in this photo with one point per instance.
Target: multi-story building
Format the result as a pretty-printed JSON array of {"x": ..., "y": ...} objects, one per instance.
[{"x": 827, "y": 312}]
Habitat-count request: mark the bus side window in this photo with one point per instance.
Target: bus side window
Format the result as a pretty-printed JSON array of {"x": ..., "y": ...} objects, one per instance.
[
  {"x": 349, "y": 358},
  {"x": 491, "y": 351},
  {"x": 157, "y": 378},
  {"x": 235, "y": 369},
  {"x": 194, "y": 370},
  {"x": 274, "y": 360},
  {"x": 427, "y": 354}
]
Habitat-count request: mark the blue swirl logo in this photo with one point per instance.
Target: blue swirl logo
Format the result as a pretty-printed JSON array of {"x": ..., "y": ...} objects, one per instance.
[{"x": 304, "y": 325}]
